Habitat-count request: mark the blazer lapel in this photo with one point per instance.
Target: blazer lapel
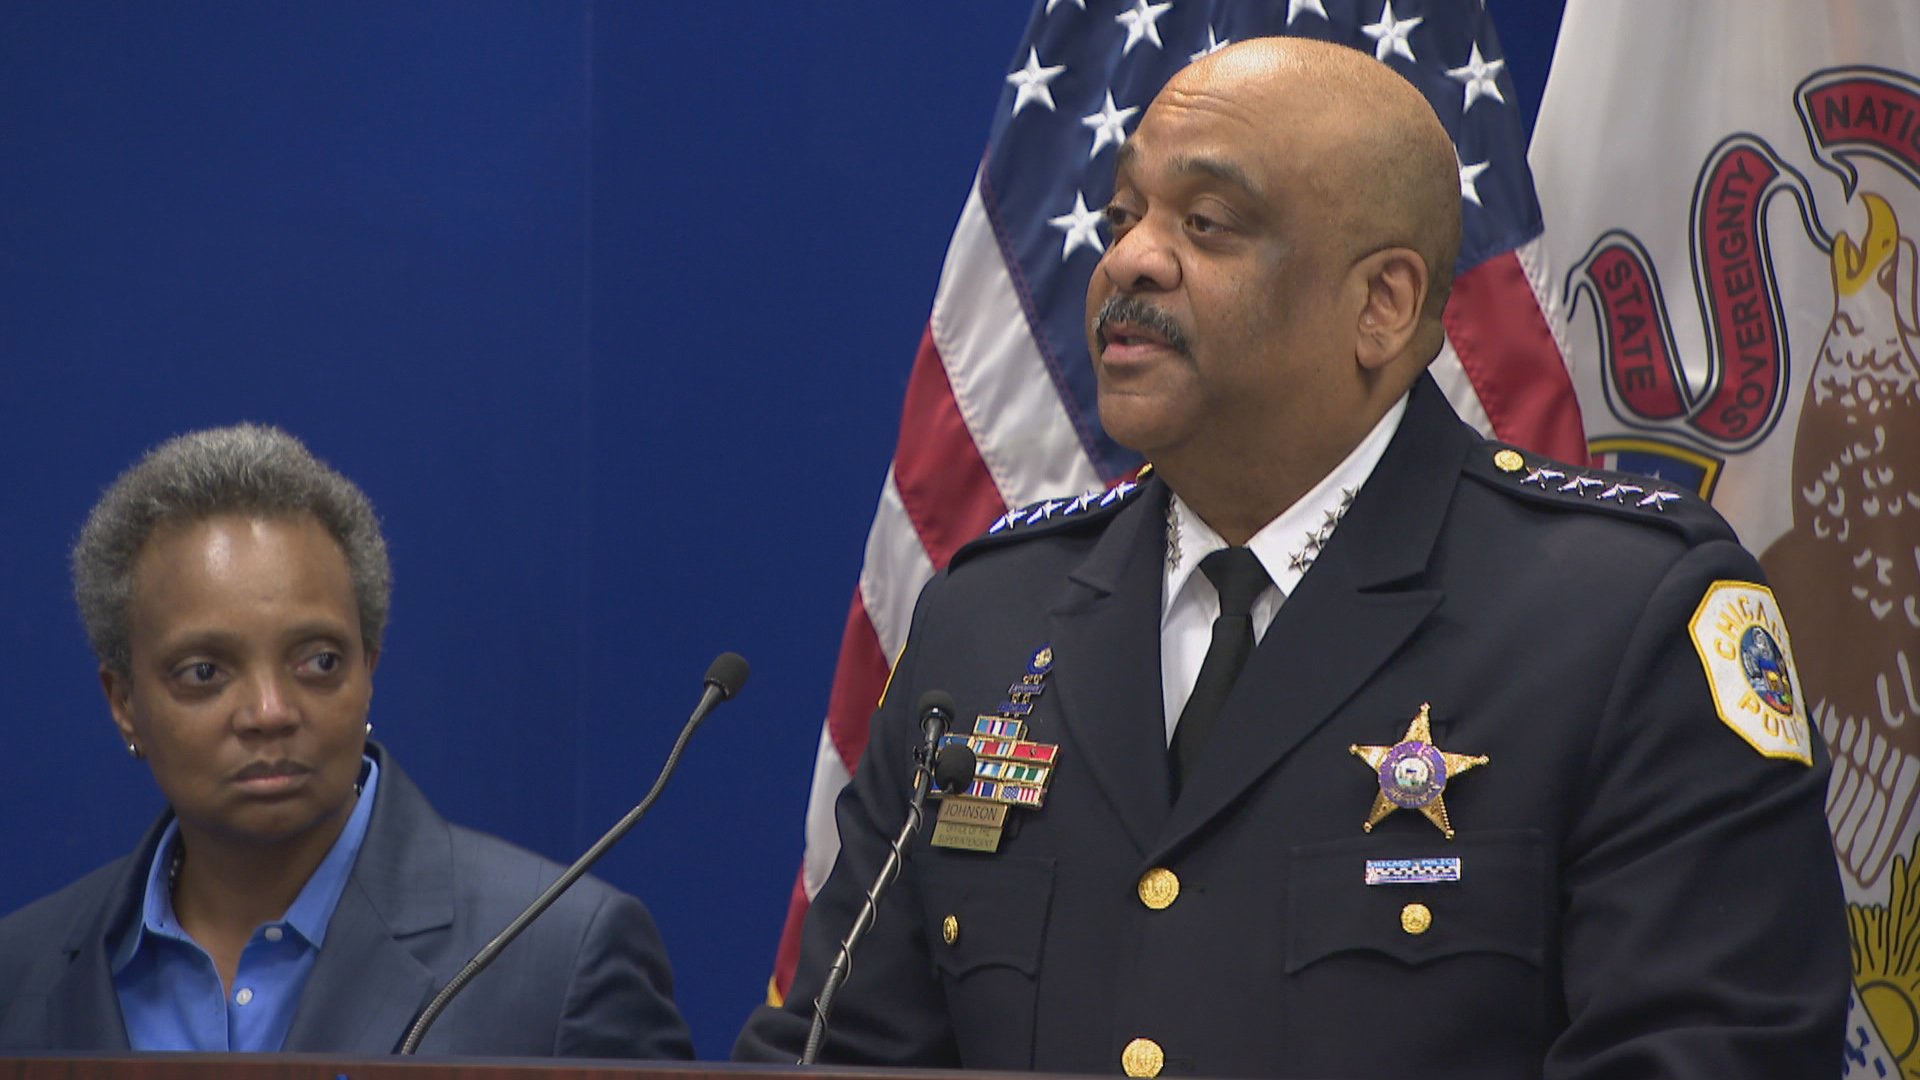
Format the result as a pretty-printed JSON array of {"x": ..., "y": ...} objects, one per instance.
[
  {"x": 83, "y": 1008},
  {"x": 367, "y": 986},
  {"x": 1363, "y": 598},
  {"x": 1106, "y": 643}
]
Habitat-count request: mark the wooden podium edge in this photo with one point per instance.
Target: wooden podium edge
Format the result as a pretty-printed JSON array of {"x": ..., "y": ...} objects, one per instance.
[{"x": 330, "y": 1067}]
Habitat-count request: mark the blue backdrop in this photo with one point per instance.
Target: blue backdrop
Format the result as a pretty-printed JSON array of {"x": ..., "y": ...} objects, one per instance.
[{"x": 608, "y": 305}]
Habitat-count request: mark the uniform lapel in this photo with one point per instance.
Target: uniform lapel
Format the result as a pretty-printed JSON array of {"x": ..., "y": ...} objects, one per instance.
[
  {"x": 1362, "y": 599},
  {"x": 1106, "y": 642}
]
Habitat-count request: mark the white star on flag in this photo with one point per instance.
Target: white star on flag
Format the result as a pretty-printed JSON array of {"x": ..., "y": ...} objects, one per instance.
[
  {"x": 1140, "y": 24},
  {"x": 1032, "y": 81},
  {"x": 1478, "y": 75},
  {"x": 1214, "y": 45},
  {"x": 1081, "y": 225},
  {"x": 1469, "y": 175},
  {"x": 1390, "y": 34},
  {"x": 1109, "y": 126},
  {"x": 1295, "y": 7}
]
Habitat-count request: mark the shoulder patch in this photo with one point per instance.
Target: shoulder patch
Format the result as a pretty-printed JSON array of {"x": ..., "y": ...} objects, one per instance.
[
  {"x": 1748, "y": 658},
  {"x": 1552, "y": 483},
  {"x": 1049, "y": 516}
]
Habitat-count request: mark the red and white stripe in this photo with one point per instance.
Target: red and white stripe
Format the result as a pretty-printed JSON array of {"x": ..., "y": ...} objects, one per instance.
[{"x": 1504, "y": 366}]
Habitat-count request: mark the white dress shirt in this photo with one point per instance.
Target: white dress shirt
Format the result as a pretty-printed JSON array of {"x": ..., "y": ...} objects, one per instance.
[{"x": 1286, "y": 547}]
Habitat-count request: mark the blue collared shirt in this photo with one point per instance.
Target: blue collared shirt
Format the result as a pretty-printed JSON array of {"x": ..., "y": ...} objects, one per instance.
[{"x": 170, "y": 992}]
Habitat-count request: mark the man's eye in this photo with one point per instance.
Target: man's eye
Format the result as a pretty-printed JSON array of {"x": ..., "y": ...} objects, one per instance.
[
  {"x": 1197, "y": 223},
  {"x": 199, "y": 673},
  {"x": 1118, "y": 217}
]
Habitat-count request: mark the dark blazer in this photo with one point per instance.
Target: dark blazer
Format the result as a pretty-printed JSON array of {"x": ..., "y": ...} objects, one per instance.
[
  {"x": 1642, "y": 893},
  {"x": 589, "y": 978}
]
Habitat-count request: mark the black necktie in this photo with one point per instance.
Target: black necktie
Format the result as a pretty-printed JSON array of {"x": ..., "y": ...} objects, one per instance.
[{"x": 1237, "y": 575}]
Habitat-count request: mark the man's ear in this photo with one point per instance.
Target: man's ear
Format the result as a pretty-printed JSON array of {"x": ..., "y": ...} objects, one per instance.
[
  {"x": 1396, "y": 294},
  {"x": 119, "y": 692}
]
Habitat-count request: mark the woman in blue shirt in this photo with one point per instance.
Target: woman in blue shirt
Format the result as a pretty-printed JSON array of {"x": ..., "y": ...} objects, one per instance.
[{"x": 299, "y": 893}]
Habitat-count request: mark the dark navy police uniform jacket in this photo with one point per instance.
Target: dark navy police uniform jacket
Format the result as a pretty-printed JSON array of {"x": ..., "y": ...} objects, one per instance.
[{"x": 1639, "y": 891}]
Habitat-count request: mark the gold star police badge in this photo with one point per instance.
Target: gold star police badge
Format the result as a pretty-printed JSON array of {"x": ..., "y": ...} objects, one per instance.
[{"x": 1413, "y": 774}]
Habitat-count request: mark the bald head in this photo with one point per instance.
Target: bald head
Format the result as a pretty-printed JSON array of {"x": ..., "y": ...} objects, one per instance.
[{"x": 1385, "y": 171}]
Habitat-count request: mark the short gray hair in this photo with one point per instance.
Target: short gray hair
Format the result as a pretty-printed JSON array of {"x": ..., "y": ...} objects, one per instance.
[{"x": 244, "y": 469}]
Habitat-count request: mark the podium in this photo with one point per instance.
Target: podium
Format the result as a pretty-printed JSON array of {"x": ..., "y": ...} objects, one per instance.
[{"x": 330, "y": 1067}]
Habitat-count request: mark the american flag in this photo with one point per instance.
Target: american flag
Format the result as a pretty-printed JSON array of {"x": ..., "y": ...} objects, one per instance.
[{"x": 1000, "y": 407}]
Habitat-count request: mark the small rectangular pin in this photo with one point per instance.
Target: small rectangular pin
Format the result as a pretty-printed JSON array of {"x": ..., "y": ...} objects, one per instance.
[
  {"x": 965, "y": 811},
  {"x": 1412, "y": 871},
  {"x": 954, "y": 834}
]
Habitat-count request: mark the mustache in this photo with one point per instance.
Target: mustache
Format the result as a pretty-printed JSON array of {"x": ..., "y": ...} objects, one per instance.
[{"x": 1132, "y": 309}]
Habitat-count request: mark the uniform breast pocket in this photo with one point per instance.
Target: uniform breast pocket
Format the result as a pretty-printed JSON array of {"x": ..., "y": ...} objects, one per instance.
[
  {"x": 1499, "y": 903},
  {"x": 1472, "y": 951},
  {"x": 986, "y": 918}
]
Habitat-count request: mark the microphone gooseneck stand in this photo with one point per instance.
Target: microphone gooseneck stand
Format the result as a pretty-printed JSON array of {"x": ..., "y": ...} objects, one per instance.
[
  {"x": 725, "y": 676},
  {"x": 936, "y": 710}
]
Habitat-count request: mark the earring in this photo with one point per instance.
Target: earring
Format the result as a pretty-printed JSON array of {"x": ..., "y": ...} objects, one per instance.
[
  {"x": 133, "y": 751},
  {"x": 369, "y": 727}
]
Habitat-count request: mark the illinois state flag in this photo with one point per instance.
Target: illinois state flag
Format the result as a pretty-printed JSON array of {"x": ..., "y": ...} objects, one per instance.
[
  {"x": 999, "y": 408},
  {"x": 1732, "y": 192}
]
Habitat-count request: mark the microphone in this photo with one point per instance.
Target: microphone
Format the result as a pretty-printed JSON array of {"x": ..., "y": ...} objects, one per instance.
[
  {"x": 936, "y": 709},
  {"x": 953, "y": 768},
  {"x": 724, "y": 678}
]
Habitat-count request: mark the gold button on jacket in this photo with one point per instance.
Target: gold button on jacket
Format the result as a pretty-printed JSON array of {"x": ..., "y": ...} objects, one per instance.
[
  {"x": 1415, "y": 918},
  {"x": 1143, "y": 1057},
  {"x": 1159, "y": 888}
]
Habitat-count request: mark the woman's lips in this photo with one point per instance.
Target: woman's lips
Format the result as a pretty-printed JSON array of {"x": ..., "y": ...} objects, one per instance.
[{"x": 271, "y": 777}]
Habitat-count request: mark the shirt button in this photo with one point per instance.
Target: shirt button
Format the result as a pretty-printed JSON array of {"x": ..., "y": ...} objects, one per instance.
[
  {"x": 243, "y": 996},
  {"x": 274, "y": 933}
]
